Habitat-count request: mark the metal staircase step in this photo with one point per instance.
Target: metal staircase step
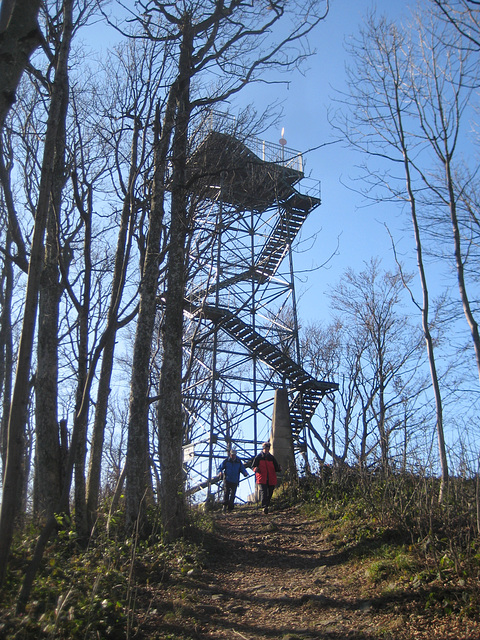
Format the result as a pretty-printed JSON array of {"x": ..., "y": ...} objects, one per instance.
[
  {"x": 264, "y": 349},
  {"x": 309, "y": 391},
  {"x": 285, "y": 231}
]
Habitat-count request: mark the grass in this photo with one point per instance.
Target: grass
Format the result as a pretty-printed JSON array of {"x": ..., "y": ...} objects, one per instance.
[
  {"x": 394, "y": 530},
  {"x": 390, "y": 530}
]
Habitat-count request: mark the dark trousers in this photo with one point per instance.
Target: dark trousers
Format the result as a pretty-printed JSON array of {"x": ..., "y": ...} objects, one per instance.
[
  {"x": 229, "y": 491},
  {"x": 266, "y": 492}
]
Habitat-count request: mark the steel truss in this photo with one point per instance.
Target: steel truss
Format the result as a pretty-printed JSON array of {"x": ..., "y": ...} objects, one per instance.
[{"x": 241, "y": 331}]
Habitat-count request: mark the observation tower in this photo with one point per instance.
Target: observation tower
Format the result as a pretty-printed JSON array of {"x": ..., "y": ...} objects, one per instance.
[{"x": 241, "y": 346}]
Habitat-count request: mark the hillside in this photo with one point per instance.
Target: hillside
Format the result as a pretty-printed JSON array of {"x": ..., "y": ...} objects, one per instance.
[
  {"x": 331, "y": 569},
  {"x": 283, "y": 576}
]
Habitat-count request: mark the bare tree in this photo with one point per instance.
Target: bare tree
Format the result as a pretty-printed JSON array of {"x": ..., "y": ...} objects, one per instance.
[
  {"x": 327, "y": 357},
  {"x": 13, "y": 472},
  {"x": 14, "y": 255},
  {"x": 48, "y": 464},
  {"x": 137, "y": 462},
  {"x": 443, "y": 82},
  {"x": 6, "y": 339},
  {"x": 385, "y": 347},
  {"x": 61, "y": 232},
  {"x": 23, "y": 134},
  {"x": 121, "y": 263},
  {"x": 376, "y": 355},
  {"x": 464, "y": 15},
  {"x": 379, "y": 125}
]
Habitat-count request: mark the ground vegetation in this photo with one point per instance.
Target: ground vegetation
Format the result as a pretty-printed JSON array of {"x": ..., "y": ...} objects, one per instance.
[{"x": 342, "y": 554}]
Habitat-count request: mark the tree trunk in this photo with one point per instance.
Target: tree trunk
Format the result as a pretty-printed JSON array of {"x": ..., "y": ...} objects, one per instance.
[
  {"x": 19, "y": 37},
  {"x": 13, "y": 236},
  {"x": 428, "y": 337},
  {"x": 121, "y": 261},
  {"x": 47, "y": 450},
  {"x": 13, "y": 477},
  {"x": 170, "y": 410},
  {"x": 6, "y": 346},
  {"x": 137, "y": 460},
  {"x": 81, "y": 418},
  {"x": 457, "y": 244}
]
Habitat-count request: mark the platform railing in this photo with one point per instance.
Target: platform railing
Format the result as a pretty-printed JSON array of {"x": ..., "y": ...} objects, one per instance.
[{"x": 266, "y": 151}]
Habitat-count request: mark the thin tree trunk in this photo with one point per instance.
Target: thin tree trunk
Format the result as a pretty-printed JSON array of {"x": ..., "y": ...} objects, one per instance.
[
  {"x": 82, "y": 419},
  {"x": 428, "y": 338},
  {"x": 462, "y": 287},
  {"x": 116, "y": 498},
  {"x": 64, "y": 498},
  {"x": 423, "y": 283},
  {"x": 6, "y": 345},
  {"x": 441, "y": 131},
  {"x": 137, "y": 460},
  {"x": 382, "y": 428},
  {"x": 13, "y": 235}
]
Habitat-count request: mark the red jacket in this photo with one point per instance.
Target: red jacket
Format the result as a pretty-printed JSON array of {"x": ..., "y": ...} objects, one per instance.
[{"x": 266, "y": 468}]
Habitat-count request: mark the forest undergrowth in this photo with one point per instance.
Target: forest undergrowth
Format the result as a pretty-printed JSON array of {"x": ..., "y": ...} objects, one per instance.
[{"x": 342, "y": 555}]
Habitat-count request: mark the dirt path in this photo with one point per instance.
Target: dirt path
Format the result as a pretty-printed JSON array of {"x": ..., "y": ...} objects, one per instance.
[
  {"x": 280, "y": 579},
  {"x": 275, "y": 576}
]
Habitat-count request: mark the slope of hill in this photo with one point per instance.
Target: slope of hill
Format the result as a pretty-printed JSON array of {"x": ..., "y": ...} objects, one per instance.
[{"x": 284, "y": 576}]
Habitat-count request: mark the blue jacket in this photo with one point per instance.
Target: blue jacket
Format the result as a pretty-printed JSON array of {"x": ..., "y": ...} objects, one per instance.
[{"x": 231, "y": 469}]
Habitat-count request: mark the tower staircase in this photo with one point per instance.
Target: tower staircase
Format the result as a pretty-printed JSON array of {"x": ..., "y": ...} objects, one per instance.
[
  {"x": 305, "y": 391},
  {"x": 294, "y": 211},
  {"x": 257, "y": 210}
]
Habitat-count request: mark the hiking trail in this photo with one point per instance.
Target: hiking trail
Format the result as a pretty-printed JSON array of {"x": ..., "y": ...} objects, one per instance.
[{"x": 277, "y": 576}]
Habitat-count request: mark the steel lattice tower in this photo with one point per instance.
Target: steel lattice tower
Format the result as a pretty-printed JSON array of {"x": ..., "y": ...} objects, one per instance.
[{"x": 241, "y": 332}]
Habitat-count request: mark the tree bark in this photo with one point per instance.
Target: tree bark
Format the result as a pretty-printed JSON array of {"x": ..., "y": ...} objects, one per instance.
[
  {"x": 462, "y": 286},
  {"x": 47, "y": 450},
  {"x": 447, "y": 133},
  {"x": 19, "y": 37},
  {"x": 122, "y": 254},
  {"x": 137, "y": 460},
  {"x": 81, "y": 418},
  {"x": 13, "y": 477},
  {"x": 6, "y": 345},
  {"x": 425, "y": 308},
  {"x": 170, "y": 413}
]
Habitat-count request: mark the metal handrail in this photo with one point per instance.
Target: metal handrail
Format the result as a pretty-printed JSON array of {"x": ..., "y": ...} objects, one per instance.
[{"x": 266, "y": 151}]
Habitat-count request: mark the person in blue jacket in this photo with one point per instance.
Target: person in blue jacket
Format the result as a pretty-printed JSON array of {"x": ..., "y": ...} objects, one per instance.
[{"x": 230, "y": 470}]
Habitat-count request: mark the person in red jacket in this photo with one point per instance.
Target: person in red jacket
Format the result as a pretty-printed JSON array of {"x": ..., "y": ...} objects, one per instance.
[{"x": 266, "y": 468}]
